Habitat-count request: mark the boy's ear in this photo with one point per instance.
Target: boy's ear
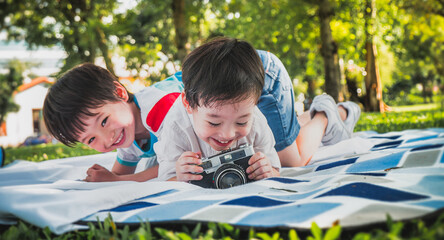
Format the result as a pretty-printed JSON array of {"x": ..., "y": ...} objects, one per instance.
[
  {"x": 121, "y": 91},
  {"x": 186, "y": 104}
]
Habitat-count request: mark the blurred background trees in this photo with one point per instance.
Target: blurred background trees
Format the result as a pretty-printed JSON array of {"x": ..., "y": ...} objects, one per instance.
[{"x": 376, "y": 52}]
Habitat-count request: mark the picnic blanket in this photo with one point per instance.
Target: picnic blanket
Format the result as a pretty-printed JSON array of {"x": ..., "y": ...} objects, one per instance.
[{"x": 354, "y": 183}]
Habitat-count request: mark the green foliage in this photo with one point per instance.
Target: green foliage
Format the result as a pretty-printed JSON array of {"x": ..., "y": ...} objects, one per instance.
[
  {"x": 408, "y": 35},
  {"x": 144, "y": 34},
  {"x": 77, "y": 26},
  {"x": 414, "y": 229},
  {"x": 416, "y": 40}
]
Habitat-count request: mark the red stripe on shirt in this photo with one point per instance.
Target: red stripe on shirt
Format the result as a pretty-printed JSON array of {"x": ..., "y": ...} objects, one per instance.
[{"x": 158, "y": 112}]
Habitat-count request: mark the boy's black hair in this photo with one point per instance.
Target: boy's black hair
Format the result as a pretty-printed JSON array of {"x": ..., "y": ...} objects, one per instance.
[
  {"x": 73, "y": 96},
  {"x": 224, "y": 69}
]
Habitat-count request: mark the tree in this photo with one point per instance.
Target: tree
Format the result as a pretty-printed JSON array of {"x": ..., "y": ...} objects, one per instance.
[
  {"x": 417, "y": 41},
  {"x": 329, "y": 49},
  {"x": 424, "y": 7},
  {"x": 181, "y": 29},
  {"x": 373, "y": 85},
  {"x": 77, "y": 26},
  {"x": 293, "y": 35}
]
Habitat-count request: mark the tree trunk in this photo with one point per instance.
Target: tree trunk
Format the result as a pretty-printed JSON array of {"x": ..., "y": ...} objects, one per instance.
[
  {"x": 329, "y": 50},
  {"x": 373, "y": 86},
  {"x": 103, "y": 46},
  {"x": 180, "y": 26}
]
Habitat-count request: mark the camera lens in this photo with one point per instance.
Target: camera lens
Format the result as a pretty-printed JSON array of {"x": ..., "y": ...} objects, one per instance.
[{"x": 229, "y": 175}]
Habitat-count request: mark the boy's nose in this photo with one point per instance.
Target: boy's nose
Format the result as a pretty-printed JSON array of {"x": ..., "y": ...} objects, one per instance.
[{"x": 228, "y": 133}]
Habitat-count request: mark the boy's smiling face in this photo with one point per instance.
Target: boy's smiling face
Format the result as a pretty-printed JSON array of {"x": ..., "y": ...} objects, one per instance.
[
  {"x": 223, "y": 123},
  {"x": 113, "y": 127}
]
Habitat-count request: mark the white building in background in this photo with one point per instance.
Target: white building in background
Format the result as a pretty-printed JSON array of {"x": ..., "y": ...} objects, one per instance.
[
  {"x": 28, "y": 120},
  {"x": 29, "y": 96}
]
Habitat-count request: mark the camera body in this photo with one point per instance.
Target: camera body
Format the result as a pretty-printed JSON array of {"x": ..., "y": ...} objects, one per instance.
[{"x": 226, "y": 169}]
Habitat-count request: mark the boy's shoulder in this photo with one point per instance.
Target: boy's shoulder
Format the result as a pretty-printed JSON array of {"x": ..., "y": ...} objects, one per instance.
[
  {"x": 260, "y": 127},
  {"x": 171, "y": 84},
  {"x": 178, "y": 115},
  {"x": 155, "y": 101}
]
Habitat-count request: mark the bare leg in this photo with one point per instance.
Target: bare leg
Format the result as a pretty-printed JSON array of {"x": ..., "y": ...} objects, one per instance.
[
  {"x": 304, "y": 118},
  {"x": 310, "y": 136},
  {"x": 307, "y": 143},
  {"x": 290, "y": 156}
]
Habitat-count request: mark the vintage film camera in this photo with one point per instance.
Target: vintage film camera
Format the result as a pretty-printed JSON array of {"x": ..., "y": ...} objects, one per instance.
[{"x": 226, "y": 169}]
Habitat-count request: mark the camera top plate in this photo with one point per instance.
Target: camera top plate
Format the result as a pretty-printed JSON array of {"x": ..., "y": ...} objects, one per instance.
[{"x": 228, "y": 156}]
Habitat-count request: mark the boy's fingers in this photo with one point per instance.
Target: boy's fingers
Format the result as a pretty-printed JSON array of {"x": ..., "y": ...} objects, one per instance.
[
  {"x": 258, "y": 165},
  {"x": 191, "y": 169},
  {"x": 260, "y": 172},
  {"x": 256, "y": 157},
  {"x": 96, "y": 166},
  {"x": 89, "y": 178},
  {"x": 191, "y": 177},
  {"x": 89, "y": 171},
  {"x": 188, "y": 161},
  {"x": 189, "y": 158},
  {"x": 191, "y": 154},
  {"x": 260, "y": 169},
  {"x": 188, "y": 177}
]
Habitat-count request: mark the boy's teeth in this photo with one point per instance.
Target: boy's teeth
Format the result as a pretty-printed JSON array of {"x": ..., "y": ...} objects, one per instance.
[
  {"x": 223, "y": 141},
  {"x": 119, "y": 139}
]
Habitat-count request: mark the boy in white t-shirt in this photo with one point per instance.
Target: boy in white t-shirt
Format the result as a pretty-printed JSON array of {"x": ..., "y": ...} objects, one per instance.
[
  {"x": 223, "y": 81},
  {"x": 89, "y": 105}
]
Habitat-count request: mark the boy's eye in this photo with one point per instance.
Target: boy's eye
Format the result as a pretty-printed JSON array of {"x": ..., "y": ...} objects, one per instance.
[
  {"x": 104, "y": 121},
  {"x": 214, "y": 124},
  {"x": 91, "y": 140},
  {"x": 242, "y": 123}
]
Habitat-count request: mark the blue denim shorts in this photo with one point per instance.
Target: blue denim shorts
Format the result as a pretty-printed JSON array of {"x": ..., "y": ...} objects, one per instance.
[{"x": 277, "y": 101}]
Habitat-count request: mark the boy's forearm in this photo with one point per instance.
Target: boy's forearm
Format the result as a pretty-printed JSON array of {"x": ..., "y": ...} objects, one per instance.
[{"x": 120, "y": 169}]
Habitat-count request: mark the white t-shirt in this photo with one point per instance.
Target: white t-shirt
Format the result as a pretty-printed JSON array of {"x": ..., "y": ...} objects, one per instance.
[
  {"x": 154, "y": 103},
  {"x": 178, "y": 136}
]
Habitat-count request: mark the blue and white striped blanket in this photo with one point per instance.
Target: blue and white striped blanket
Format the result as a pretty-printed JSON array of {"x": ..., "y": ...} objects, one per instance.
[{"x": 355, "y": 182}]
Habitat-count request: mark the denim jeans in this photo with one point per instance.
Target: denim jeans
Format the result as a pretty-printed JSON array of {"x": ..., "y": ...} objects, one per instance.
[{"x": 277, "y": 101}]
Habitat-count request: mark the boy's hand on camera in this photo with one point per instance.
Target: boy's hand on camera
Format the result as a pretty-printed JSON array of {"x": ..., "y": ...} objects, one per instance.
[
  {"x": 260, "y": 167},
  {"x": 187, "y": 168},
  {"x": 97, "y": 173}
]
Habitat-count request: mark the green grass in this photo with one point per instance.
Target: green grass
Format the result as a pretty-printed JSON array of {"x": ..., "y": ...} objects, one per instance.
[
  {"x": 398, "y": 121},
  {"x": 44, "y": 152},
  {"x": 411, "y": 117}
]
